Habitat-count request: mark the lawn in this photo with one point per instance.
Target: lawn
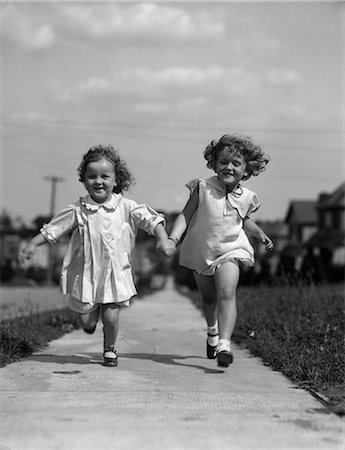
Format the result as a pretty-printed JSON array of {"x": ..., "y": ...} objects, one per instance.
[
  {"x": 299, "y": 331},
  {"x": 20, "y": 336}
]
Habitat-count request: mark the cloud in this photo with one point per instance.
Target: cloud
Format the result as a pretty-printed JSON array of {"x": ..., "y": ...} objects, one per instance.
[
  {"x": 26, "y": 30},
  {"x": 43, "y": 37},
  {"x": 144, "y": 20},
  {"x": 32, "y": 26},
  {"x": 142, "y": 82},
  {"x": 159, "y": 107},
  {"x": 176, "y": 76},
  {"x": 191, "y": 92},
  {"x": 278, "y": 77}
]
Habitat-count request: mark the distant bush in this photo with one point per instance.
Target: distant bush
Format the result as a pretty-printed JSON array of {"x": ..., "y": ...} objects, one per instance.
[{"x": 37, "y": 274}]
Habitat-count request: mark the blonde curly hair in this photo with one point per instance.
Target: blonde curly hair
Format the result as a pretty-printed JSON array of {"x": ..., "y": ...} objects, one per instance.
[{"x": 255, "y": 159}]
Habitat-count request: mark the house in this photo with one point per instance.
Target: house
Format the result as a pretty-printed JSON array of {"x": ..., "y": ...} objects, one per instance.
[
  {"x": 326, "y": 246},
  {"x": 266, "y": 263},
  {"x": 301, "y": 219},
  {"x": 277, "y": 230}
]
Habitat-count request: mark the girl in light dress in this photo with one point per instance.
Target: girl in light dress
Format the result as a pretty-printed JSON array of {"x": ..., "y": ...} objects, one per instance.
[
  {"x": 97, "y": 268},
  {"x": 216, "y": 221}
]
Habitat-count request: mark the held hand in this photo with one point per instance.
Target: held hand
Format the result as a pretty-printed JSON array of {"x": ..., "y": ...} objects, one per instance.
[
  {"x": 166, "y": 247},
  {"x": 267, "y": 241},
  {"x": 26, "y": 254}
]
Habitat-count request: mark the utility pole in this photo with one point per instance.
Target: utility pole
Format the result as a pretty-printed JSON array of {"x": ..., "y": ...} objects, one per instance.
[{"x": 54, "y": 180}]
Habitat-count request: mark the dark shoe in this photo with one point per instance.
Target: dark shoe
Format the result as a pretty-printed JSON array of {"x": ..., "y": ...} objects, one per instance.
[
  {"x": 211, "y": 350},
  {"x": 90, "y": 330},
  {"x": 110, "y": 358},
  {"x": 224, "y": 358}
]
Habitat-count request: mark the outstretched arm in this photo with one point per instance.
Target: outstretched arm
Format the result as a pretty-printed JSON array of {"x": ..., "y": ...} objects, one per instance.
[
  {"x": 28, "y": 252},
  {"x": 62, "y": 223},
  {"x": 251, "y": 228}
]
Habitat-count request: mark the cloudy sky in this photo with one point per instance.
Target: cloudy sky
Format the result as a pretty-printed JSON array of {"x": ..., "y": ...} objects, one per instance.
[{"x": 159, "y": 81}]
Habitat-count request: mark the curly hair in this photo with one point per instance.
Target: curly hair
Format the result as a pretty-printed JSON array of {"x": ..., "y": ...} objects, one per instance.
[
  {"x": 252, "y": 154},
  {"x": 123, "y": 176}
]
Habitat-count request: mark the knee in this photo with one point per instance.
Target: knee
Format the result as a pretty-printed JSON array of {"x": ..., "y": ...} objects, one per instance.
[
  {"x": 84, "y": 319},
  {"x": 227, "y": 294},
  {"x": 110, "y": 316},
  {"x": 88, "y": 320}
]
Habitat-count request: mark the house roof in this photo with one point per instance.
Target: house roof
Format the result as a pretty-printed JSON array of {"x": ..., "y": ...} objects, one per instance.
[
  {"x": 335, "y": 199},
  {"x": 302, "y": 212}
]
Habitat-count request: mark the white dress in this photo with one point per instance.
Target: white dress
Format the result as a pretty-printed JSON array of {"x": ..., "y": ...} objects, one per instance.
[
  {"x": 215, "y": 233},
  {"x": 97, "y": 266}
]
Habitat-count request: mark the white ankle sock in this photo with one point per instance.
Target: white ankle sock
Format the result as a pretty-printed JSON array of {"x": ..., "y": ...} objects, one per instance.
[
  {"x": 223, "y": 344},
  {"x": 213, "y": 330},
  {"x": 212, "y": 335}
]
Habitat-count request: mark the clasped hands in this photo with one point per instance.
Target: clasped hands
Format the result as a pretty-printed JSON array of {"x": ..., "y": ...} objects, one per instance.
[{"x": 166, "y": 247}]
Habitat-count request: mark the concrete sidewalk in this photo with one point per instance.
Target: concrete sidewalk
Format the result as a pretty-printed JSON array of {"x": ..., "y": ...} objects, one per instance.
[{"x": 164, "y": 394}]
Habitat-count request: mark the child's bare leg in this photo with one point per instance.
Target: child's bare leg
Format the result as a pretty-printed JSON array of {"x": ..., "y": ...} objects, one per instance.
[
  {"x": 207, "y": 290},
  {"x": 110, "y": 319},
  {"x": 226, "y": 280},
  {"x": 89, "y": 320}
]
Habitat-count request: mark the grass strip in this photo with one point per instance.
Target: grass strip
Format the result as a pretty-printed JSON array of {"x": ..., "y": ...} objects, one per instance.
[
  {"x": 23, "y": 335},
  {"x": 299, "y": 331}
]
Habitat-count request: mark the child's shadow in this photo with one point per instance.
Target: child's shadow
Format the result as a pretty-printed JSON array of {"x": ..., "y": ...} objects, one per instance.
[
  {"x": 94, "y": 358},
  {"x": 170, "y": 359},
  {"x": 66, "y": 359}
]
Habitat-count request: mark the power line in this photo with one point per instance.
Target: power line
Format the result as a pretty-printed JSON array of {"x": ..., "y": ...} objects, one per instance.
[
  {"x": 187, "y": 140},
  {"x": 132, "y": 125}
]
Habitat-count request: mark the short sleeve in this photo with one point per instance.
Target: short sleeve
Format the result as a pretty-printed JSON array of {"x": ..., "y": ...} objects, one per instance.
[
  {"x": 62, "y": 223},
  {"x": 246, "y": 203},
  {"x": 193, "y": 184},
  {"x": 254, "y": 204},
  {"x": 146, "y": 218}
]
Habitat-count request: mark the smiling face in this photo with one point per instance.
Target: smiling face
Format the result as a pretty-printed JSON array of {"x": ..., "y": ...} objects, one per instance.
[
  {"x": 100, "y": 180},
  {"x": 230, "y": 168}
]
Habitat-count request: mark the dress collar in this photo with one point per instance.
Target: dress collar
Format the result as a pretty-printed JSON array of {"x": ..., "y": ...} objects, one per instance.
[
  {"x": 220, "y": 186},
  {"x": 109, "y": 205},
  {"x": 237, "y": 199}
]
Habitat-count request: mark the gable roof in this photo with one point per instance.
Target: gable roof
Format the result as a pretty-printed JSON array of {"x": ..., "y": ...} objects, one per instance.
[
  {"x": 302, "y": 212},
  {"x": 334, "y": 200}
]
